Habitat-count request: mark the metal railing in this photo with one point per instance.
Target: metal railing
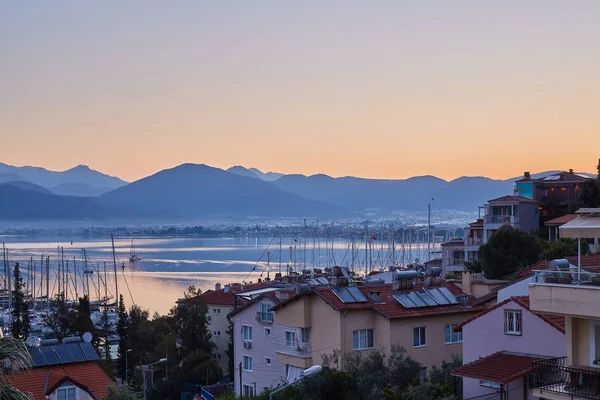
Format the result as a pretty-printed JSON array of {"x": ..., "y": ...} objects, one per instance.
[
  {"x": 566, "y": 277},
  {"x": 501, "y": 219},
  {"x": 473, "y": 241},
  {"x": 554, "y": 376},
  {"x": 266, "y": 317}
]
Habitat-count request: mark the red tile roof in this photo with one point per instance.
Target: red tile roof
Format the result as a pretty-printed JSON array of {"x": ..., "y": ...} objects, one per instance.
[
  {"x": 389, "y": 307},
  {"x": 512, "y": 198},
  {"x": 502, "y": 367},
  {"x": 556, "y": 321},
  {"x": 223, "y": 298},
  {"x": 88, "y": 374},
  {"x": 561, "y": 220},
  {"x": 587, "y": 262}
]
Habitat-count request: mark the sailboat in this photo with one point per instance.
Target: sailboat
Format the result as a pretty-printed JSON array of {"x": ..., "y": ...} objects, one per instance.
[{"x": 133, "y": 257}]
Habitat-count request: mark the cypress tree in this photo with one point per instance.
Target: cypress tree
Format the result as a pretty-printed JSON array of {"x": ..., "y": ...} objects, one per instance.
[
  {"x": 122, "y": 331},
  {"x": 20, "y": 313},
  {"x": 105, "y": 333}
]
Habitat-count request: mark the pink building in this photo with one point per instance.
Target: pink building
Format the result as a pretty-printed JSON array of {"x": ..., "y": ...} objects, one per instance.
[
  {"x": 499, "y": 346},
  {"x": 258, "y": 339}
]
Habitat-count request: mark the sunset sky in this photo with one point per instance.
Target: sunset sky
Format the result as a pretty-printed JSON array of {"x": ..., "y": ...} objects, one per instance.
[{"x": 386, "y": 89}]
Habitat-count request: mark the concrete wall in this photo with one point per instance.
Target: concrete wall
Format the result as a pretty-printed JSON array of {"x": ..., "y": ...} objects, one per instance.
[
  {"x": 520, "y": 288},
  {"x": 218, "y": 322},
  {"x": 437, "y": 350},
  {"x": 571, "y": 300},
  {"x": 485, "y": 336},
  {"x": 529, "y": 217}
]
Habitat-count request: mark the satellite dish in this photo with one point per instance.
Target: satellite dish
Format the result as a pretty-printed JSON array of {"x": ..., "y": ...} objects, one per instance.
[
  {"x": 33, "y": 341},
  {"x": 87, "y": 337}
]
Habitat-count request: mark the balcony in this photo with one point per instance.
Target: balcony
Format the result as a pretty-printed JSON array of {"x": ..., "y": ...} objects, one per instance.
[
  {"x": 502, "y": 219},
  {"x": 473, "y": 241},
  {"x": 264, "y": 317},
  {"x": 555, "y": 380},
  {"x": 565, "y": 292}
]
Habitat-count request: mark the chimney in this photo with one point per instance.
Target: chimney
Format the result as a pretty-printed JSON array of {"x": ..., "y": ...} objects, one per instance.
[
  {"x": 516, "y": 192},
  {"x": 467, "y": 282},
  {"x": 375, "y": 296},
  {"x": 282, "y": 294},
  {"x": 571, "y": 171},
  {"x": 217, "y": 286},
  {"x": 527, "y": 175},
  {"x": 226, "y": 289}
]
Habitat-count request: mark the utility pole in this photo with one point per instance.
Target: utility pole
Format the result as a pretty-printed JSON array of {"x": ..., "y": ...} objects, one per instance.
[
  {"x": 429, "y": 230},
  {"x": 241, "y": 386}
]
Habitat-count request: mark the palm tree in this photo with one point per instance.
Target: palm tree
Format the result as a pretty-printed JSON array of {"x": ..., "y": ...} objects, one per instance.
[{"x": 14, "y": 357}]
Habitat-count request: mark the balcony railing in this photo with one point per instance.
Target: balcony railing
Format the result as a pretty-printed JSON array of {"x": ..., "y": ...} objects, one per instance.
[
  {"x": 502, "y": 219},
  {"x": 566, "y": 277},
  {"x": 303, "y": 348},
  {"x": 554, "y": 376},
  {"x": 473, "y": 241},
  {"x": 264, "y": 317}
]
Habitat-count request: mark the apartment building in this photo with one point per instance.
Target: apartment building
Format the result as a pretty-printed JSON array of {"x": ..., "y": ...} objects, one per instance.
[
  {"x": 573, "y": 293},
  {"x": 219, "y": 303},
  {"x": 514, "y": 210},
  {"x": 258, "y": 340},
  {"x": 499, "y": 346},
  {"x": 418, "y": 316},
  {"x": 558, "y": 194}
]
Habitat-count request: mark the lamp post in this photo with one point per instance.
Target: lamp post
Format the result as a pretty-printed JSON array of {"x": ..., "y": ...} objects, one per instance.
[
  {"x": 126, "y": 367},
  {"x": 145, "y": 367},
  {"x": 315, "y": 369}
]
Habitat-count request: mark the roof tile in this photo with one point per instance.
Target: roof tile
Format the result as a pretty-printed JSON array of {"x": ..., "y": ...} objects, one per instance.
[{"x": 501, "y": 367}]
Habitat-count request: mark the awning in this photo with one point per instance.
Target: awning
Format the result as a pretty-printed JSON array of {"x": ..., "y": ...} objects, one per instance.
[
  {"x": 502, "y": 367},
  {"x": 582, "y": 227}
]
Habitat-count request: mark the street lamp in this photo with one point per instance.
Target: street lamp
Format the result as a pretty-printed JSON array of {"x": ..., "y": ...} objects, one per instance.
[
  {"x": 315, "y": 369},
  {"x": 145, "y": 367},
  {"x": 126, "y": 368}
]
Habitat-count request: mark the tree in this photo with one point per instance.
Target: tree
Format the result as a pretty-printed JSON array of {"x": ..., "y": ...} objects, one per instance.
[
  {"x": 20, "y": 313},
  {"x": 120, "y": 393},
  {"x": 425, "y": 390},
  {"x": 561, "y": 248},
  {"x": 14, "y": 354},
  {"x": 191, "y": 322},
  {"x": 105, "y": 334},
  {"x": 61, "y": 320},
  {"x": 122, "y": 328},
  {"x": 83, "y": 322},
  {"x": 508, "y": 250},
  {"x": 230, "y": 353},
  {"x": 441, "y": 375}
]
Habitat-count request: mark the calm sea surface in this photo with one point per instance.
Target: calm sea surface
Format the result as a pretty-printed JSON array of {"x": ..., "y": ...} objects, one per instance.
[{"x": 167, "y": 266}]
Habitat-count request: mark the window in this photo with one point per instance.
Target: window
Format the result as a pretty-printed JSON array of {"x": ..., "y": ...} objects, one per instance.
[
  {"x": 246, "y": 332},
  {"x": 267, "y": 361},
  {"x": 65, "y": 393},
  {"x": 451, "y": 336},
  {"x": 362, "y": 339},
  {"x": 216, "y": 333},
  {"x": 305, "y": 335},
  {"x": 419, "y": 337},
  {"x": 216, "y": 311},
  {"x": 247, "y": 363},
  {"x": 290, "y": 339},
  {"x": 512, "y": 322},
  {"x": 265, "y": 314},
  {"x": 248, "y": 390},
  {"x": 267, "y": 331}
]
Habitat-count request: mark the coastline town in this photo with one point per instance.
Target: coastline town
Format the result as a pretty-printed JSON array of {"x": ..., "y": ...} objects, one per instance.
[{"x": 495, "y": 314}]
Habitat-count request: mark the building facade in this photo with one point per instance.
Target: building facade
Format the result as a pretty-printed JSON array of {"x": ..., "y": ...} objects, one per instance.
[{"x": 506, "y": 334}]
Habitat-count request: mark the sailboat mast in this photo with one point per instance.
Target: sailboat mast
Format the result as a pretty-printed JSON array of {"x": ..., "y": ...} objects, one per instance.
[
  {"x": 105, "y": 284},
  {"x": 47, "y": 283},
  {"x": 75, "y": 280},
  {"x": 115, "y": 267}
]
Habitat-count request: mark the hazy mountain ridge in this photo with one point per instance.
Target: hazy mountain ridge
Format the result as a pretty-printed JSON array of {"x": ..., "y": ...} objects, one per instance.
[
  {"x": 198, "y": 191},
  {"x": 50, "y": 179}
]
